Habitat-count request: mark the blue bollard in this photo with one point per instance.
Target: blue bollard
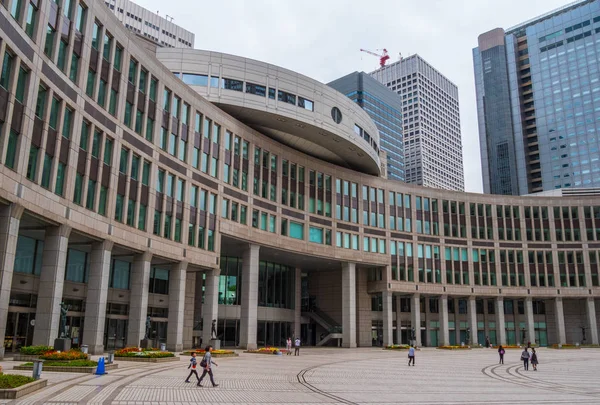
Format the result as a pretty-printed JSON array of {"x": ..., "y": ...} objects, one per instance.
[{"x": 100, "y": 370}]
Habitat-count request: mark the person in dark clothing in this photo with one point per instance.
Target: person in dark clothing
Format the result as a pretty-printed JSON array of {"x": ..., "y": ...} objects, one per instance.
[
  {"x": 297, "y": 347},
  {"x": 501, "y": 354},
  {"x": 487, "y": 342},
  {"x": 207, "y": 363},
  {"x": 534, "y": 359},
  {"x": 193, "y": 364}
]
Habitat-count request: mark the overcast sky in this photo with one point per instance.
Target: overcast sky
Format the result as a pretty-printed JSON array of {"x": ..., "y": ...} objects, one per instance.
[{"x": 321, "y": 39}]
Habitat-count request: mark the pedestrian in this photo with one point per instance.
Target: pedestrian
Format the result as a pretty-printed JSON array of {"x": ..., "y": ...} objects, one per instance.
[
  {"x": 525, "y": 357},
  {"x": 411, "y": 356},
  {"x": 534, "y": 359},
  {"x": 192, "y": 366},
  {"x": 487, "y": 342},
  {"x": 206, "y": 364},
  {"x": 501, "y": 354},
  {"x": 297, "y": 347},
  {"x": 288, "y": 346}
]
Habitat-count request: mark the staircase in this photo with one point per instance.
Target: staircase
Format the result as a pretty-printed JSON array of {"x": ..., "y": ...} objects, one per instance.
[{"x": 333, "y": 328}]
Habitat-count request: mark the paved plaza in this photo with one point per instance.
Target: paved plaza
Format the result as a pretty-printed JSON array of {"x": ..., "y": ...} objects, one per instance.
[{"x": 341, "y": 376}]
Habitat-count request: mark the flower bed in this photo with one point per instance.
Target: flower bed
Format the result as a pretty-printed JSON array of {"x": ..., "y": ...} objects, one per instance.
[
  {"x": 454, "y": 347},
  {"x": 509, "y": 347},
  {"x": 148, "y": 356},
  {"x": 73, "y": 366},
  {"x": 72, "y": 354},
  {"x": 215, "y": 353},
  {"x": 397, "y": 347},
  {"x": 566, "y": 346},
  {"x": 35, "y": 350},
  {"x": 15, "y": 386},
  {"x": 266, "y": 350}
]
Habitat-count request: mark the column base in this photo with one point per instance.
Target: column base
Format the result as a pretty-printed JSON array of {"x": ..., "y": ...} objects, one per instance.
[
  {"x": 96, "y": 349},
  {"x": 249, "y": 346},
  {"x": 175, "y": 348},
  {"x": 146, "y": 344},
  {"x": 62, "y": 344},
  {"x": 216, "y": 344}
]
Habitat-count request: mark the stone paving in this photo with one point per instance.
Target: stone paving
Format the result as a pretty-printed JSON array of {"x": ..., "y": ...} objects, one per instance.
[{"x": 339, "y": 376}]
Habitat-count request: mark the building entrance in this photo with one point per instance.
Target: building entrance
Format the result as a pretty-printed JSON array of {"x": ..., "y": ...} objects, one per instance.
[
  {"x": 19, "y": 330},
  {"x": 116, "y": 333}
]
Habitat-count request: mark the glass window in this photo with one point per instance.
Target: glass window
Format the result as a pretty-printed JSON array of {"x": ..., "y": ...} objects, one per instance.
[
  {"x": 15, "y": 10},
  {"x": 286, "y": 97},
  {"x": 77, "y": 191},
  {"x": 315, "y": 234},
  {"x": 80, "y": 17},
  {"x": 118, "y": 57},
  {"x": 74, "y": 70},
  {"x": 60, "y": 179},
  {"x": 306, "y": 104},
  {"x": 76, "y": 269},
  {"x": 67, "y": 123},
  {"x": 146, "y": 173},
  {"x": 195, "y": 80},
  {"x": 91, "y": 194},
  {"x": 11, "y": 150},
  {"x": 107, "y": 46},
  {"x": 124, "y": 160},
  {"x": 49, "y": 44},
  {"x": 40, "y": 107},
  {"x": 119, "y": 276},
  {"x": 21, "y": 83},
  {"x": 108, "y": 149},
  {"x": 296, "y": 230},
  {"x": 153, "y": 86},
  {"x": 95, "y": 35},
  {"x": 6, "y": 70},
  {"x": 32, "y": 162},
  {"x": 143, "y": 78},
  {"x": 132, "y": 71},
  {"x": 31, "y": 19}
]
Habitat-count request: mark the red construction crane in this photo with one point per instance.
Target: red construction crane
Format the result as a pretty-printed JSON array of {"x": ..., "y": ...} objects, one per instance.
[{"x": 382, "y": 58}]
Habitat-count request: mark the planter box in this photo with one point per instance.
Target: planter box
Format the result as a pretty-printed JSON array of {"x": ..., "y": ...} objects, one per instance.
[
  {"x": 148, "y": 360},
  {"x": 85, "y": 370},
  {"x": 30, "y": 357},
  {"x": 14, "y": 393}
]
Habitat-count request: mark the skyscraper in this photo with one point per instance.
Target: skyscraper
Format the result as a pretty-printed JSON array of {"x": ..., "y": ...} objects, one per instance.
[
  {"x": 385, "y": 109},
  {"x": 432, "y": 141},
  {"x": 538, "y": 102}
]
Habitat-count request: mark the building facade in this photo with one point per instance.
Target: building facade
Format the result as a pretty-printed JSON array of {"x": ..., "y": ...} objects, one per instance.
[
  {"x": 151, "y": 26},
  {"x": 385, "y": 109},
  {"x": 537, "y": 103},
  {"x": 430, "y": 111},
  {"x": 125, "y": 193}
]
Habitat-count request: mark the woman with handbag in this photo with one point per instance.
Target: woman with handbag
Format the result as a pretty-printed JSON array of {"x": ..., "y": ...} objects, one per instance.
[
  {"x": 525, "y": 357},
  {"x": 206, "y": 364},
  {"x": 534, "y": 359}
]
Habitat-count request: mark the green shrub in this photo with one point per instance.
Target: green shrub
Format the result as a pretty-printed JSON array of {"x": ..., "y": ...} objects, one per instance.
[
  {"x": 145, "y": 355},
  {"x": 35, "y": 350},
  {"x": 72, "y": 363},
  {"x": 13, "y": 380}
]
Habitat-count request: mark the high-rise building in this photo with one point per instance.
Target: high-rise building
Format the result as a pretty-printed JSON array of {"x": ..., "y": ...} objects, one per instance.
[
  {"x": 538, "y": 102},
  {"x": 150, "y": 26},
  {"x": 385, "y": 109},
  {"x": 432, "y": 141}
]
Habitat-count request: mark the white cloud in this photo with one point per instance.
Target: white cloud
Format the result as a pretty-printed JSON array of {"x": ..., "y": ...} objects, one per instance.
[{"x": 321, "y": 39}]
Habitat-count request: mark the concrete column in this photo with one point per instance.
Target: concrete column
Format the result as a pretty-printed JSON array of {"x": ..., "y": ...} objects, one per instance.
[
  {"x": 388, "y": 321},
  {"x": 398, "y": 320},
  {"x": 52, "y": 279},
  {"x": 560, "y": 321},
  {"x": 500, "y": 327},
  {"x": 473, "y": 320},
  {"x": 97, "y": 293},
  {"x": 590, "y": 307},
  {"x": 10, "y": 219},
  {"x": 138, "y": 301},
  {"x": 210, "y": 307},
  {"x": 529, "y": 321},
  {"x": 297, "y": 302},
  {"x": 349, "y": 305},
  {"x": 249, "y": 307},
  {"x": 415, "y": 317},
  {"x": 177, "y": 281},
  {"x": 188, "y": 310},
  {"x": 444, "y": 330}
]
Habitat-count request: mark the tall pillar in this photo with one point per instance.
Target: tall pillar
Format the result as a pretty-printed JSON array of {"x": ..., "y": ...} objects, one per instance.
[
  {"x": 473, "y": 321},
  {"x": 415, "y": 317},
  {"x": 444, "y": 329},
  {"x": 388, "y": 321},
  {"x": 398, "y": 320},
  {"x": 249, "y": 307},
  {"x": 500, "y": 325},
  {"x": 52, "y": 279},
  {"x": 210, "y": 307},
  {"x": 138, "y": 301},
  {"x": 348, "y": 305},
  {"x": 560, "y": 321},
  {"x": 10, "y": 219},
  {"x": 590, "y": 307},
  {"x": 529, "y": 321},
  {"x": 177, "y": 280},
  {"x": 97, "y": 293},
  {"x": 188, "y": 310},
  {"x": 297, "y": 302}
]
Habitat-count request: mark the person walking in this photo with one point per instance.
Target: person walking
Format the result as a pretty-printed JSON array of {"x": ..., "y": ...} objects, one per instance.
[
  {"x": 534, "y": 359},
  {"x": 297, "y": 347},
  {"x": 525, "y": 357},
  {"x": 501, "y": 354},
  {"x": 206, "y": 364},
  {"x": 411, "y": 356},
  {"x": 487, "y": 342},
  {"x": 288, "y": 346},
  {"x": 193, "y": 364}
]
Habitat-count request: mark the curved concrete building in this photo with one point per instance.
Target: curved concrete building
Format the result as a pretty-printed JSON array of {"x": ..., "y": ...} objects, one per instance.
[{"x": 126, "y": 193}]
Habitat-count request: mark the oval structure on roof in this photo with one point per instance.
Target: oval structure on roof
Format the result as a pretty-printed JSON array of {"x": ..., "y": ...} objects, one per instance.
[{"x": 289, "y": 107}]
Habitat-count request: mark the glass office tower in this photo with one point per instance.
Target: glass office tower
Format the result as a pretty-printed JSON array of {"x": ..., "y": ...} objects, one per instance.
[
  {"x": 538, "y": 102},
  {"x": 385, "y": 109}
]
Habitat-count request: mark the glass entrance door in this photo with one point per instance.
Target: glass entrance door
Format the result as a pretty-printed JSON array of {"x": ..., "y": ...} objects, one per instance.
[
  {"x": 115, "y": 336},
  {"x": 19, "y": 330}
]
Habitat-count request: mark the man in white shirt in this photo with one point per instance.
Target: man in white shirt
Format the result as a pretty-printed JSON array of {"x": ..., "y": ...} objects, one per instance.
[
  {"x": 297, "y": 347},
  {"x": 411, "y": 356}
]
